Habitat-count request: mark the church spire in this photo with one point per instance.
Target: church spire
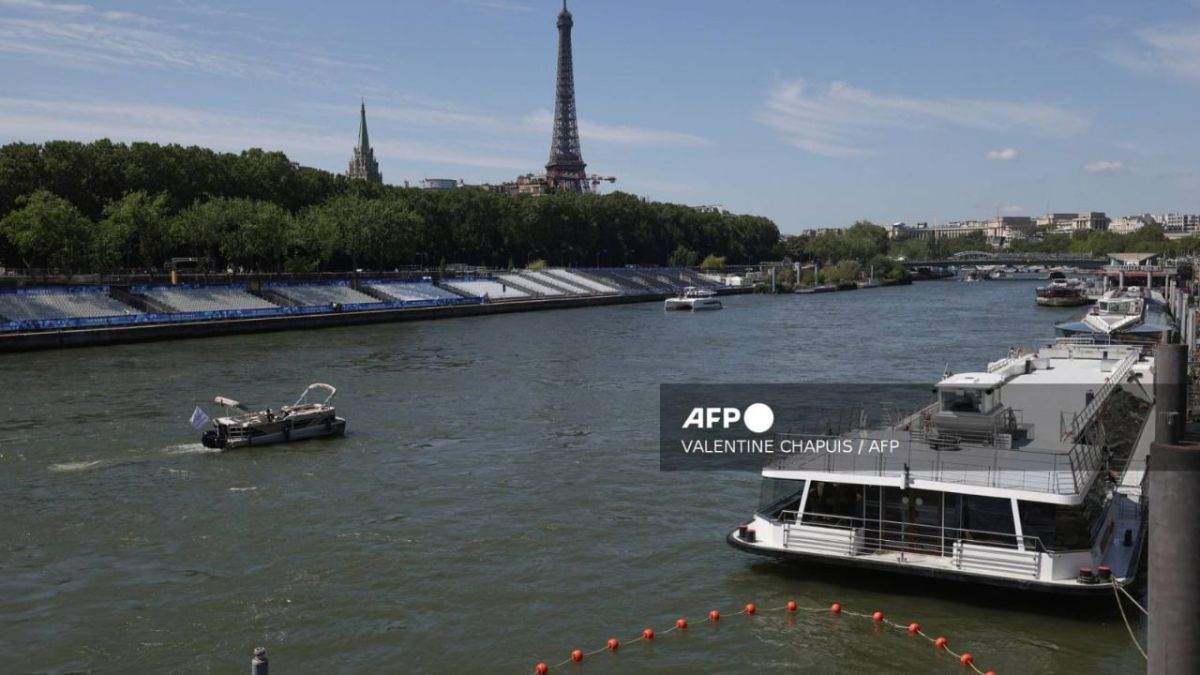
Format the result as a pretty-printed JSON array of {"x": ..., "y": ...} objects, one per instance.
[
  {"x": 363, "y": 165},
  {"x": 363, "y": 143}
]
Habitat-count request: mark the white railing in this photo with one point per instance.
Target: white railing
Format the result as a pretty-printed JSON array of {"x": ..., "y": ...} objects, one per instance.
[
  {"x": 968, "y": 550},
  {"x": 1081, "y": 418}
]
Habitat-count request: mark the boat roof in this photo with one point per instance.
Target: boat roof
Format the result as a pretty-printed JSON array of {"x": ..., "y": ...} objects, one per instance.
[
  {"x": 1050, "y": 468},
  {"x": 971, "y": 381}
]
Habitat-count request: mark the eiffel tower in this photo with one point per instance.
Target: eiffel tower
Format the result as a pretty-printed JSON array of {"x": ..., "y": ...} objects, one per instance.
[{"x": 565, "y": 171}]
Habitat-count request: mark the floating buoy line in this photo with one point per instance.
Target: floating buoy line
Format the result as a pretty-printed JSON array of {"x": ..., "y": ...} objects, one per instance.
[{"x": 940, "y": 643}]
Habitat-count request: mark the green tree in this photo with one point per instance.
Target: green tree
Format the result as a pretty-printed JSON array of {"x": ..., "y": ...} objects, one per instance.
[
  {"x": 135, "y": 231},
  {"x": 48, "y": 231}
]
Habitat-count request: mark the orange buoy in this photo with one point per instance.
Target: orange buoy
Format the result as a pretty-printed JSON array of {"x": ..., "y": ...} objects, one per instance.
[
  {"x": 681, "y": 624},
  {"x": 714, "y": 615},
  {"x": 914, "y": 628},
  {"x": 877, "y": 616},
  {"x": 940, "y": 643},
  {"x": 750, "y": 608},
  {"x": 577, "y": 655},
  {"x": 613, "y": 644},
  {"x": 966, "y": 659},
  {"x": 648, "y": 634},
  {"x": 990, "y": 672},
  {"x": 791, "y": 606},
  {"x": 541, "y": 669},
  {"x": 836, "y": 608}
]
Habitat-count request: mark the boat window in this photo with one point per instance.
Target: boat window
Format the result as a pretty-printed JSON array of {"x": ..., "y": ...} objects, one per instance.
[
  {"x": 833, "y": 504},
  {"x": 1061, "y": 528},
  {"x": 962, "y": 400},
  {"x": 778, "y": 494},
  {"x": 1037, "y": 520},
  {"x": 987, "y": 519}
]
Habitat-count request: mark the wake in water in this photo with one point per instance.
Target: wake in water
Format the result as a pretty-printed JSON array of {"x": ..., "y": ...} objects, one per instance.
[
  {"x": 76, "y": 466},
  {"x": 190, "y": 449}
]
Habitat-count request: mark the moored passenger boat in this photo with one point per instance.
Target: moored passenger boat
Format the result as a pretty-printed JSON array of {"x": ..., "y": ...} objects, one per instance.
[
  {"x": 1129, "y": 314},
  {"x": 1063, "y": 293},
  {"x": 1029, "y": 475}
]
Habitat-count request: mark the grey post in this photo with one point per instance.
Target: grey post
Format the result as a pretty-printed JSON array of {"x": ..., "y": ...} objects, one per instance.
[
  {"x": 258, "y": 664},
  {"x": 1170, "y": 392},
  {"x": 1174, "y": 501}
]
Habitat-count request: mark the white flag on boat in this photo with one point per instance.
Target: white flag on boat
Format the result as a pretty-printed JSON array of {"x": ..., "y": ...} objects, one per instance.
[{"x": 200, "y": 419}]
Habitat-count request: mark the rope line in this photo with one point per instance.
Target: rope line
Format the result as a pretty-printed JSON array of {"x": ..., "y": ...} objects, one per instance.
[
  {"x": 1131, "y": 598},
  {"x": 791, "y": 608},
  {"x": 1128, "y": 627}
]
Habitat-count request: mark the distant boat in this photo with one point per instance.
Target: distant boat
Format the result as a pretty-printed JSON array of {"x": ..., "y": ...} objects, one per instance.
[
  {"x": 302, "y": 420},
  {"x": 1063, "y": 293},
  {"x": 693, "y": 299}
]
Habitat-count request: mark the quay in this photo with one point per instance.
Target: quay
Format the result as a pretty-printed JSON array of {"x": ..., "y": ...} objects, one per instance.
[{"x": 40, "y": 318}]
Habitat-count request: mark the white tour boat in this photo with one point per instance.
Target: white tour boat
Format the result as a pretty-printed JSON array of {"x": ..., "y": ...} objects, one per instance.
[
  {"x": 1027, "y": 475},
  {"x": 302, "y": 420},
  {"x": 693, "y": 298},
  {"x": 1131, "y": 313}
]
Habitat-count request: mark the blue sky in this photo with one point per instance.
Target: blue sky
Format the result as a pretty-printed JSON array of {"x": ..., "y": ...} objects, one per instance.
[{"x": 815, "y": 114}]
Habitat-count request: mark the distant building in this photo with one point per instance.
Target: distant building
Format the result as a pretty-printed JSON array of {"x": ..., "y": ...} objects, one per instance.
[
  {"x": 1092, "y": 220},
  {"x": 1057, "y": 221},
  {"x": 363, "y": 165},
  {"x": 711, "y": 208},
  {"x": 1127, "y": 224},
  {"x": 1176, "y": 225},
  {"x": 440, "y": 184}
]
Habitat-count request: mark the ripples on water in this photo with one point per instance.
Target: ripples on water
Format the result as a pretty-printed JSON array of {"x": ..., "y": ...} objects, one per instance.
[{"x": 496, "y": 501}]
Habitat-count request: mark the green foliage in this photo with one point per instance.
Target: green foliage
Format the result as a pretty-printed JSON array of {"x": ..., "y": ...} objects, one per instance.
[
  {"x": 258, "y": 211},
  {"x": 713, "y": 262},
  {"x": 48, "y": 231},
  {"x": 134, "y": 232},
  {"x": 539, "y": 264},
  {"x": 683, "y": 257}
]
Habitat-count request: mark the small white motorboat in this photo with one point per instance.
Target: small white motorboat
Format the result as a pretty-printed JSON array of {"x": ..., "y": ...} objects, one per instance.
[
  {"x": 694, "y": 299},
  {"x": 302, "y": 420}
]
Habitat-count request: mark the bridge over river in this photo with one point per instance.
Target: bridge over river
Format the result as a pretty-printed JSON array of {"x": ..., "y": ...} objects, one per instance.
[{"x": 990, "y": 258}]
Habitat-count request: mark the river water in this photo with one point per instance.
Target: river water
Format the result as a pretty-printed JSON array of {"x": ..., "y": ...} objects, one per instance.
[{"x": 497, "y": 501}]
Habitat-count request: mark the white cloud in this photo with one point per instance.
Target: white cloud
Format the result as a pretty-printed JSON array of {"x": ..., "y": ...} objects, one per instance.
[
  {"x": 37, "y": 121},
  {"x": 535, "y": 123},
  {"x": 1012, "y": 210},
  {"x": 504, "y": 5},
  {"x": 1172, "y": 50},
  {"x": 44, "y": 5},
  {"x": 832, "y": 122},
  {"x": 1005, "y": 155},
  {"x": 1104, "y": 166}
]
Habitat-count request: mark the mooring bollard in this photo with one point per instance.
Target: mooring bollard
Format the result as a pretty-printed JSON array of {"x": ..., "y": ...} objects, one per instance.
[{"x": 258, "y": 663}]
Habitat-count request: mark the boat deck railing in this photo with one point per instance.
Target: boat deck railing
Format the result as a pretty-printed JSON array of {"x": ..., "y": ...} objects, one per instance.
[
  {"x": 966, "y": 549},
  {"x": 1082, "y": 418},
  {"x": 1062, "y": 472}
]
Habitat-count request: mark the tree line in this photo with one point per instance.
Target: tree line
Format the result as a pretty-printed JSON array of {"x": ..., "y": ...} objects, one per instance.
[{"x": 107, "y": 206}]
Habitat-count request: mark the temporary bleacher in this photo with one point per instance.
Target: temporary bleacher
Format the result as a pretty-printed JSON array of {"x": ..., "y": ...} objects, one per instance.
[
  {"x": 546, "y": 279},
  {"x": 314, "y": 295},
  {"x": 621, "y": 280},
  {"x": 491, "y": 289},
  {"x": 412, "y": 291},
  {"x": 581, "y": 280},
  {"x": 204, "y": 299},
  {"x": 528, "y": 282},
  {"x": 61, "y": 304}
]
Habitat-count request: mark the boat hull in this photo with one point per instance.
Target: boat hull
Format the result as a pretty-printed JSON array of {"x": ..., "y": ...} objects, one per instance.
[
  {"x": 859, "y": 562},
  {"x": 335, "y": 427},
  {"x": 1063, "y": 301},
  {"x": 691, "y": 304}
]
